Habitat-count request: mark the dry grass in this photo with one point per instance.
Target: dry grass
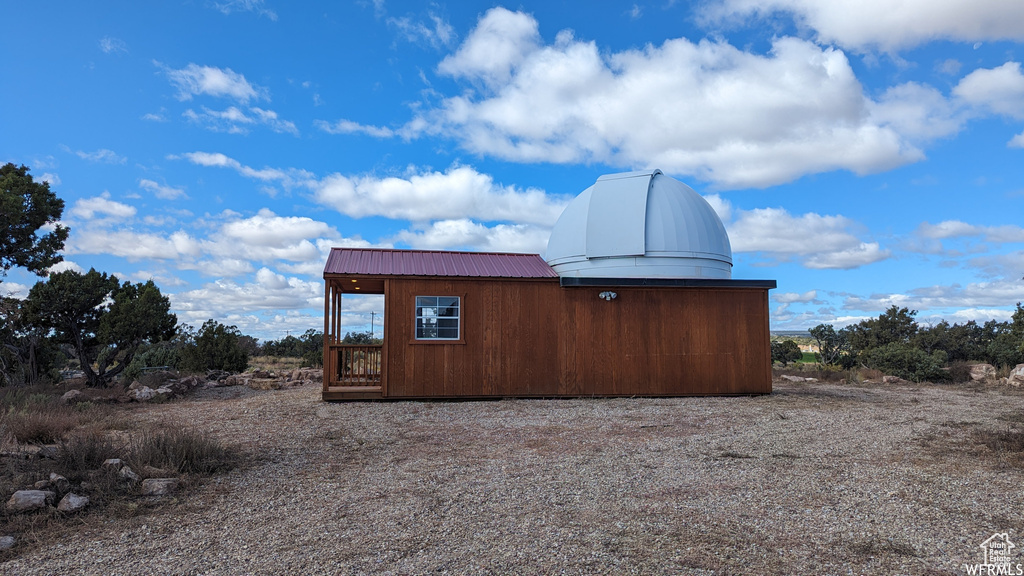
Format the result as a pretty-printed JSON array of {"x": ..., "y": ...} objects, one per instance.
[
  {"x": 816, "y": 478},
  {"x": 86, "y": 435}
]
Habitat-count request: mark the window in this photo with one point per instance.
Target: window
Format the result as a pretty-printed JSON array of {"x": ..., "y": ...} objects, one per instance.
[{"x": 437, "y": 317}]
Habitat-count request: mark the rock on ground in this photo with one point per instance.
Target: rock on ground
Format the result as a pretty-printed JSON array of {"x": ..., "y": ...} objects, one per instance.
[
  {"x": 159, "y": 486},
  {"x": 72, "y": 503},
  {"x": 982, "y": 371},
  {"x": 29, "y": 500}
]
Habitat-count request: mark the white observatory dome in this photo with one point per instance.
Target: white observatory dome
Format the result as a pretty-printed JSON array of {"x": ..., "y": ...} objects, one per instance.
[{"x": 639, "y": 225}]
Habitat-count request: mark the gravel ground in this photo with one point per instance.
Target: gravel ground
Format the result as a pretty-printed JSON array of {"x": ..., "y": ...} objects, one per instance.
[{"x": 813, "y": 479}]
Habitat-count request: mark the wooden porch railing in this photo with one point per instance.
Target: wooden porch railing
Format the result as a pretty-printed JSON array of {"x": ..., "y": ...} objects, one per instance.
[{"x": 353, "y": 365}]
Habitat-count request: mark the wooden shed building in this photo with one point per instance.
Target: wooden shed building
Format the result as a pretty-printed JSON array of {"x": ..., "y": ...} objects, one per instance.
[{"x": 634, "y": 297}]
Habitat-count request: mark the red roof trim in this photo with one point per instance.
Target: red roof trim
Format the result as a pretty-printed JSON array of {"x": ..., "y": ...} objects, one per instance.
[{"x": 390, "y": 262}]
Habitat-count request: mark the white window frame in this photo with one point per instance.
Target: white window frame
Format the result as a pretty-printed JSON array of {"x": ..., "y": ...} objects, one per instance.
[{"x": 435, "y": 315}]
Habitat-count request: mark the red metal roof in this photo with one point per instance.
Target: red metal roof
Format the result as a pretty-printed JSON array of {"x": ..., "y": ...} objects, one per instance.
[{"x": 385, "y": 262}]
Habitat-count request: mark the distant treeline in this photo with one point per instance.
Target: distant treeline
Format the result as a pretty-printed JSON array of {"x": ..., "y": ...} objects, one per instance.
[{"x": 896, "y": 344}]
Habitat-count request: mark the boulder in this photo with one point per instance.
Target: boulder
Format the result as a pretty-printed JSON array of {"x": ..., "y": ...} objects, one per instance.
[
  {"x": 142, "y": 394},
  {"x": 794, "y": 378},
  {"x": 29, "y": 500},
  {"x": 217, "y": 375},
  {"x": 235, "y": 380},
  {"x": 982, "y": 372},
  {"x": 59, "y": 482},
  {"x": 114, "y": 463},
  {"x": 6, "y": 542},
  {"x": 129, "y": 474},
  {"x": 1016, "y": 377},
  {"x": 163, "y": 393},
  {"x": 48, "y": 451},
  {"x": 72, "y": 396},
  {"x": 41, "y": 485},
  {"x": 72, "y": 503},
  {"x": 135, "y": 385},
  {"x": 893, "y": 380},
  {"x": 159, "y": 486}
]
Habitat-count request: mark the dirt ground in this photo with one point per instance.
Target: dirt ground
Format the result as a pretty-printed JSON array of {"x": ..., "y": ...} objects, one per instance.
[{"x": 813, "y": 479}]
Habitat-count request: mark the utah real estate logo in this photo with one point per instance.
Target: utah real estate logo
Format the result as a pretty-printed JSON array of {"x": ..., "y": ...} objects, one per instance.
[{"x": 997, "y": 558}]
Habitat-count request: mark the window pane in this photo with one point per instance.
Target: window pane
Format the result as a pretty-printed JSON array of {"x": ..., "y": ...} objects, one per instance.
[{"x": 437, "y": 317}]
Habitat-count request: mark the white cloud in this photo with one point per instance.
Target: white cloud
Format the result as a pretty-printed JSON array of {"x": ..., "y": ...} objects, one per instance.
[
  {"x": 437, "y": 32},
  {"x": 65, "y": 264},
  {"x": 111, "y": 45},
  {"x": 884, "y": 24},
  {"x": 721, "y": 206},
  {"x": 162, "y": 191},
  {"x": 14, "y": 290},
  {"x": 1017, "y": 141},
  {"x": 500, "y": 41},
  {"x": 194, "y": 80},
  {"x": 734, "y": 118},
  {"x": 160, "y": 116},
  {"x": 918, "y": 111},
  {"x": 819, "y": 241},
  {"x": 994, "y": 294},
  {"x": 1000, "y": 89},
  {"x": 459, "y": 192},
  {"x": 349, "y": 127},
  {"x": 102, "y": 155},
  {"x": 861, "y": 255},
  {"x": 235, "y": 121},
  {"x": 791, "y": 297},
  {"x": 133, "y": 245},
  {"x": 957, "y": 229},
  {"x": 287, "y": 178},
  {"x": 88, "y": 208},
  {"x": 268, "y": 291},
  {"x": 256, "y": 6},
  {"x": 49, "y": 178},
  {"x": 466, "y": 234}
]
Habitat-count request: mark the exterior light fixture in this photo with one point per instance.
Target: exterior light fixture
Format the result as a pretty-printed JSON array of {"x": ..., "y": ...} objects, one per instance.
[{"x": 609, "y": 296}]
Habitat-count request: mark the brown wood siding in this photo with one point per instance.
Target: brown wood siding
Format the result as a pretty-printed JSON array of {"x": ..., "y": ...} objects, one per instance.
[{"x": 535, "y": 338}]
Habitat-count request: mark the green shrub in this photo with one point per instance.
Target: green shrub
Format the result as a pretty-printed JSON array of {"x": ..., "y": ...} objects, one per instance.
[
  {"x": 214, "y": 347},
  {"x": 906, "y": 361},
  {"x": 151, "y": 356}
]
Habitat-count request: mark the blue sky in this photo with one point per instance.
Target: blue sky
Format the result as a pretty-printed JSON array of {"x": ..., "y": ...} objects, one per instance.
[{"x": 862, "y": 153}]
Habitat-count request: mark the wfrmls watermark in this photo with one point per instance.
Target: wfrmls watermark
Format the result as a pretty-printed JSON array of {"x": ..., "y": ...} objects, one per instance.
[{"x": 997, "y": 558}]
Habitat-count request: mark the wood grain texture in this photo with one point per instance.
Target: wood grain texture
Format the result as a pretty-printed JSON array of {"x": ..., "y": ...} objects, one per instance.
[{"x": 535, "y": 338}]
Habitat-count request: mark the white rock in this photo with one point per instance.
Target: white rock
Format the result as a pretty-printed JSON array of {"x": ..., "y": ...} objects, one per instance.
[
  {"x": 71, "y": 396},
  {"x": 72, "y": 503},
  {"x": 982, "y": 371},
  {"x": 142, "y": 394},
  {"x": 28, "y": 500},
  {"x": 793, "y": 378},
  {"x": 129, "y": 474},
  {"x": 114, "y": 463},
  {"x": 60, "y": 482},
  {"x": 1016, "y": 377},
  {"x": 159, "y": 486},
  {"x": 6, "y": 542}
]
